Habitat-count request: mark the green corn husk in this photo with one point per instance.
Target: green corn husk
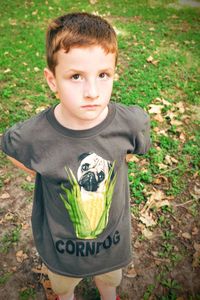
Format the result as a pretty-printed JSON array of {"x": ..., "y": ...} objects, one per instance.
[
  {"x": 74, "y": 205},
  {"x": 110, "y": 184}
]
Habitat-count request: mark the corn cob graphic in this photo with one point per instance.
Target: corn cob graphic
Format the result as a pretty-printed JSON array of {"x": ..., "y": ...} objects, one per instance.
[{"x": 90, "y": 216}]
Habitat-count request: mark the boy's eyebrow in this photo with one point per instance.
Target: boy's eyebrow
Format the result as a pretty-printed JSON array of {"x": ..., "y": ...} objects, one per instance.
[{"x": 82, "y": 71}]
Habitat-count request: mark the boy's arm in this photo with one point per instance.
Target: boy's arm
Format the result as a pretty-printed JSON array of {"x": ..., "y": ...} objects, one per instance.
[{"x": 21, "y": 166}]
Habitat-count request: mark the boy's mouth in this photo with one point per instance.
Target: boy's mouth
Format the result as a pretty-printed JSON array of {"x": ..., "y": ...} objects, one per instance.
[{"x": 90, "y": 106}]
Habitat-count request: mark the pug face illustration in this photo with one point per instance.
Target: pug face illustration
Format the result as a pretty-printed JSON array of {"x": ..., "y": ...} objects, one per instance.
[{"x": 93, "y": 172}]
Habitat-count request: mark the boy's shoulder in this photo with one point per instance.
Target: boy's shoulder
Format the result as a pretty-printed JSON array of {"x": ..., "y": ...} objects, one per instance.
[
  {"x": 133, "y": 114},
  {"x": 31, "y": 125}
]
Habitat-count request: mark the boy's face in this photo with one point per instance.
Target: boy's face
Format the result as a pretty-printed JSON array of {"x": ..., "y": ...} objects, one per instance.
[{"x": 83, "y": 81}]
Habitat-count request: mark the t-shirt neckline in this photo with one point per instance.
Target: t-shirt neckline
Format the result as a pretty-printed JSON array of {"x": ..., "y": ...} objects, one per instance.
[{"x": 81, "y": 133}]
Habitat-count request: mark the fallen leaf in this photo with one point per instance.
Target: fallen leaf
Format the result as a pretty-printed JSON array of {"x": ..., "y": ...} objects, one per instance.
[
  {"x": 29, "y": 178},
  {"x": 5, "y": 196},
  {"x": 176, "y": 122},
  {"x": 162, "y": 166},
  {"x": 7, "y": 71},
  {"x": 131, "y": 272},
  {"x": 186, "y": 235},
  {"x": 169, "y": 160},
  {"x": 165, "y": 102},
  {"x": 160, "y": 180},
  {"x": 36, "y": 69},
  {"x": 180, "y": 107},
  {"x": 182, "y": 137},
  {"x": 147, "y": 233},
  {"x": 155, "y": 109},
  {"x": 21, "y": 256},
  {"x": 149, "y": 59},
  {"x": 147, "y": 219},
  {"x": 116, "y": 77},
  {"x": 155, "y": 62},
  {"x": 131, "y": 158},
  {"x": 93, "y": 2},
  {"x": 25, "y": 226},
  {"x": 159, "y": 118},
  {"x": 9, "y": 216},
  {"x": 34, "y": 13},
  {"x": 39, "y": 109}
]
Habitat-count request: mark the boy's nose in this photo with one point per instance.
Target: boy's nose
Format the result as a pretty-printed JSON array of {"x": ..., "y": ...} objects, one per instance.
[{"x": 91, "y": 90}]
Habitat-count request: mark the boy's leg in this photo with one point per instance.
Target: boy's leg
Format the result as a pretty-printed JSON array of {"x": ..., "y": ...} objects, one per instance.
[
  {"x": 107, "y": 283},
  {"x": 63, "y": 286}
]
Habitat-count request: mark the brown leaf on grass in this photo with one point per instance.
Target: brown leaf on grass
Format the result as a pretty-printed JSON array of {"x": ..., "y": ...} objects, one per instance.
[
  {"x": 25, "y": 226},
  {"x": 169, "y": 160},
  {"x": 131, "y": 158},
  {"x": 28, "y": 106},
  {"x": 157, "y": 199},
  {"x": 186, "y": 235},
  {"x": 155, "y": 62},
  {"x": 160, "y": 180},
  {"x": 155, "y": 196},
  {"x": 147, "y": 219},
  {"x": 7, "y": 71},
  {"x": 29, "y": 178},
  {"x": 180, "y": 106},
  {"x": 162, "y": 166},
  {"x": 159, "y": 118},
  {"x": 9, "y": 216},
  {"x": 131, "y": 272},
  {"x": 149, "y": 59},
  {"x": 182, "y": 137},
  {"x": 21, "y": 256},
  {"x": 116, "y": 77},
  {"x": 5, "y": 196},
  {"x": 152, "y": 61},
  {"x": 93, "y": 2},
  {"x": 155, "y": 109},
  {"x": 147, "y": 233},
  {"x": 39, "y": 109},
  {"x": 176, "y": 122}
]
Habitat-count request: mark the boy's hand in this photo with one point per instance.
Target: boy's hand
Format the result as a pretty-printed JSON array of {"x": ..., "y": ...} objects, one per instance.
[{"x": 21, "y": 166}]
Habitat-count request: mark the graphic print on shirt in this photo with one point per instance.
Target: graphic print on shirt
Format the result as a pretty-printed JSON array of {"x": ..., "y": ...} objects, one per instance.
[{"x": 89, "y": 199}]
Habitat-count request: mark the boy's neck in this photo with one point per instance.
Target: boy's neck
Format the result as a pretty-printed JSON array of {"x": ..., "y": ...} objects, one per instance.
[{"x": 63, "y": 118}]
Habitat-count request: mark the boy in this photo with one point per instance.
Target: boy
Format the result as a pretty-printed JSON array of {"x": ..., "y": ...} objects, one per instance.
[{"x": 81, "y": 216}]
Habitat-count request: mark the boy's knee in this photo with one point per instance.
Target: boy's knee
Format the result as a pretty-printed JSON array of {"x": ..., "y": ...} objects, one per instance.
[
  {"x": 61, "y": 284},
  {"x": 112, "y": 279}
]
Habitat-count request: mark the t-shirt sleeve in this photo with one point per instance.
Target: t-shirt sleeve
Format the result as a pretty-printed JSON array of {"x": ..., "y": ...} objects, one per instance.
[
  {"x": 140, "y": 125},
  {"x": 15, "y": 143}
]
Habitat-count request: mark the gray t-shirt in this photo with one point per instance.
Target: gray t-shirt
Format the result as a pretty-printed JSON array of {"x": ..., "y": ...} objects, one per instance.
[{"x": 81, "y": 214}]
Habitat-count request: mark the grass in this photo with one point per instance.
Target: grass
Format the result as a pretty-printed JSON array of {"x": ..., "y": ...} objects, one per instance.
[
  {"x": 146, "y": 28},
  {"x": 10, "y": 239},
  {"x": 27, "y": 294}
]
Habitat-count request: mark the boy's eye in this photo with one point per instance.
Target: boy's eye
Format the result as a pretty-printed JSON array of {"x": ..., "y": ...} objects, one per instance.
[
  {"x": 103, "y": 75},
  {"x": 76, "y": 77}
]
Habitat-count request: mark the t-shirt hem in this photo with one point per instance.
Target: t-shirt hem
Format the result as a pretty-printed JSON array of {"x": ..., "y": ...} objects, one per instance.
[{"x": 106, "y": 270}]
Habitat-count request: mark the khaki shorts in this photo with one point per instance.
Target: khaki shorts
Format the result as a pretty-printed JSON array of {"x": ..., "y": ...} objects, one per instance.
[{"x": 66, "y": 285}]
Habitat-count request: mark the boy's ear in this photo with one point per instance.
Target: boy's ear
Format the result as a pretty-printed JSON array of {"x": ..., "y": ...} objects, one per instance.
[{"x": 51, "y": 80}]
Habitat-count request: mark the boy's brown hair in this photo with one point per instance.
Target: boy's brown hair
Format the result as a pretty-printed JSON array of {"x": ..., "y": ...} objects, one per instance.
[{"x": 78, "y": 30}]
